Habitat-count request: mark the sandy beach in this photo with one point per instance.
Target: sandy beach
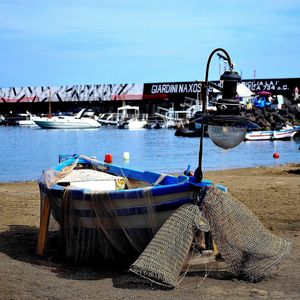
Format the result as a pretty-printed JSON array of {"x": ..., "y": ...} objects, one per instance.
[{"x": 272, "y": 193}]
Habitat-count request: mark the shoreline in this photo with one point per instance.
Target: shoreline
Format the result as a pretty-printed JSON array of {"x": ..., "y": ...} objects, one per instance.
[
  {"x": 271, "y": 193},
  {"x": 280, "y": 165}
]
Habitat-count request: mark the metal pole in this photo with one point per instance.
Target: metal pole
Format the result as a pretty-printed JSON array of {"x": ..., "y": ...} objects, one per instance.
[{"x": 199, "y": 172}]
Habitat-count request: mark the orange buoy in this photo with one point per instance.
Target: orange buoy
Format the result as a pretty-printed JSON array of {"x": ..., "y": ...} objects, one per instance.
[
  {"x": 276, "y": 155},
  {"x": 108, "y": 158}
]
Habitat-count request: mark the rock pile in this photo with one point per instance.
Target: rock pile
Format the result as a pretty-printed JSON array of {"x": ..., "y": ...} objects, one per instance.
[{"x": 274, "y": 119}]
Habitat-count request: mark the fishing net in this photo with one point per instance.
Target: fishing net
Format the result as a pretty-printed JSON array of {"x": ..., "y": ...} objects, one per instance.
[
  {"x": 94, "y": 228},
  {"x": 249, "y": 249},
  {"x": 164, "y": 257}
]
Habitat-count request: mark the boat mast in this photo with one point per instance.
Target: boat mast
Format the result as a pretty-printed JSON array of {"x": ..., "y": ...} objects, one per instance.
[{"x": 49, "y": 103}]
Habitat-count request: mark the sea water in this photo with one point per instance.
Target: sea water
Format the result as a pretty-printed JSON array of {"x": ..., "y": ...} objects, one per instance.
[{"x": 26, "y": 151}]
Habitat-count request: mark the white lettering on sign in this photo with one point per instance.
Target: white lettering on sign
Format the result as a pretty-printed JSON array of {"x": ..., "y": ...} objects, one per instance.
[
  {"x": 164, "y": 88},
  {"x": 175, "y": 88},
  {"x": 266, "y": 85}
]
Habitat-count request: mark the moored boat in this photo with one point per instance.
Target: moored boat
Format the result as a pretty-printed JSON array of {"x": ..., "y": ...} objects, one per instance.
[
  {"x": 185, "y": 132},
  {"x": 284, "y": 134},
  {"x": 108, "y": 119},
  {"x": 67, "y": 122},
  {"x": 271, "y": 134},
  {"x": 133, "y": 124},
  {"x": 259, "y": 135},
  {"x": 128, "y": 117},
  {"x": 2, "y": 119},
  {"x": 26, "y": 120}
]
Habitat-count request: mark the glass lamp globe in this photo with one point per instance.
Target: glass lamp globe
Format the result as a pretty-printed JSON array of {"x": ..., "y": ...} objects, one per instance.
[{"x": 226, "y": 137}]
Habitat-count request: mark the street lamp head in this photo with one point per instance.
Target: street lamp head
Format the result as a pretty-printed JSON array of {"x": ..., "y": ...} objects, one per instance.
[
  {"x": 229, "y": 103},
  {"x": 225, "y": 127},
  {"x": 230, "y": 80},
  {"x": 226, "y": 137},
  {"x": 226, "y": 131}
]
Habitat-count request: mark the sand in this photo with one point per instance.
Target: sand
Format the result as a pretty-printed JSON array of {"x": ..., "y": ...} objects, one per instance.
[{"x": 272, "y": 193}]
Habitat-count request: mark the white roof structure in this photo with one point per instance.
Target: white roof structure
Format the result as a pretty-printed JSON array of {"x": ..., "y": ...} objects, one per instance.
[{"x": 243, "y": 91}]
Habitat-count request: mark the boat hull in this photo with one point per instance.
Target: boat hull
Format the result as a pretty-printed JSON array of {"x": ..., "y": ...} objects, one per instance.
[
  {"x": 129, "y": 209},
  {"x": 133, "y": 124},
  {"x": 26, "y": 123},
  {"x": 259, "y": 135},
  {"x": 284, "y": 134},
  {"x": 66, "y": 123},
  {"x": 161, "y": 196},
  {"x": 270, "y": 135}
]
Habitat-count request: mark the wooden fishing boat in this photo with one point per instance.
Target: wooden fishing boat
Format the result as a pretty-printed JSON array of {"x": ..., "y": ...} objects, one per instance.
[
  {"x": 89, "y": 177},
  {"x": 92, "y": 195}
]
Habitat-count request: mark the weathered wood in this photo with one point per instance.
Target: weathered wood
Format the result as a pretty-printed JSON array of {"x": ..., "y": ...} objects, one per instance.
[
  {"x": 44, "y": 224},
  {"x": 203, "y": 262}
]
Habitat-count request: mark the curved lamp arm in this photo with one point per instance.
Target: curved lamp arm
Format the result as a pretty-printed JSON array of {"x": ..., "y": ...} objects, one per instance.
[
  {"x": 198, "y": 171},
  {"x": 207, "y": 71}
]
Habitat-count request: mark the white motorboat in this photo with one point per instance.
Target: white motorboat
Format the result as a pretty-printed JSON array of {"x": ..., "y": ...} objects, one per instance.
[
  {"x": 26, "y": 119},
  {"x": 128, "y": 117},
  {"x": 133, "y": 124},
  {"x": 108, "y": 119},
  {"x": 67, "y": 122},
  {"x": 2, "y": 119}
]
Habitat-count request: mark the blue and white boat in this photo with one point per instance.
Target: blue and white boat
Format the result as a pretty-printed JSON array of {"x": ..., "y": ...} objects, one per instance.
[
  {"x": 86, "y": 177},
  {"x": 87, "y": 195}
]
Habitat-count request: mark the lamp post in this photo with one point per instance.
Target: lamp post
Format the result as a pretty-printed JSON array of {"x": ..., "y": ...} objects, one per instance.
[{"x": 225, "y": 127}]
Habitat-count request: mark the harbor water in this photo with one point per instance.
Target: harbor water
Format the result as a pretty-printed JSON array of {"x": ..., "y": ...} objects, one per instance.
[{"x": 26, "y": 151}]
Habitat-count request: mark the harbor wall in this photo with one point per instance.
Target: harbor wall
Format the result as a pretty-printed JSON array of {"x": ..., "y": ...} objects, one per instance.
[{"x": 63, "y": 97}]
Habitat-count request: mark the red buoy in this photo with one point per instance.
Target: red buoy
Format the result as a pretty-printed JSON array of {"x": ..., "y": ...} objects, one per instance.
[
  {"x": 276, "y": 155},
  {"x": 108, "y": 158}
]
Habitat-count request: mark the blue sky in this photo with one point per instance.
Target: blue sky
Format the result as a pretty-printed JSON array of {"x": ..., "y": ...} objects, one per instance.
[{"x": 61, "y": 42}]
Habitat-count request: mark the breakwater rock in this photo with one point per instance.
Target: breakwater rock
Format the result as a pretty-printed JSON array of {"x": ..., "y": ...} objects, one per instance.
[{"x": 274, "y": 119}]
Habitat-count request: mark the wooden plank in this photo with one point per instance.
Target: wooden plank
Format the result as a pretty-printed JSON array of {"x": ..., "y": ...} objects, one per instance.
[
  {"x": 198, "y": 262},
  {"x": 44, "y": 224}
]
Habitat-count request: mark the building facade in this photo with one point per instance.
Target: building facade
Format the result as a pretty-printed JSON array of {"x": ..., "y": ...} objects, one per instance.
[{"x": 62, "y": 97}]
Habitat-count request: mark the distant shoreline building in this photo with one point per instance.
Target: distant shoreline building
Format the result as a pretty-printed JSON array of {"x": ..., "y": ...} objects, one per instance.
[{"x": 36, "y": 99}]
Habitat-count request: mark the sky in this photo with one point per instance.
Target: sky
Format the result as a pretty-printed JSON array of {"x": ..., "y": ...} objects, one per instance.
[{"x": 63, "y": 42}]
